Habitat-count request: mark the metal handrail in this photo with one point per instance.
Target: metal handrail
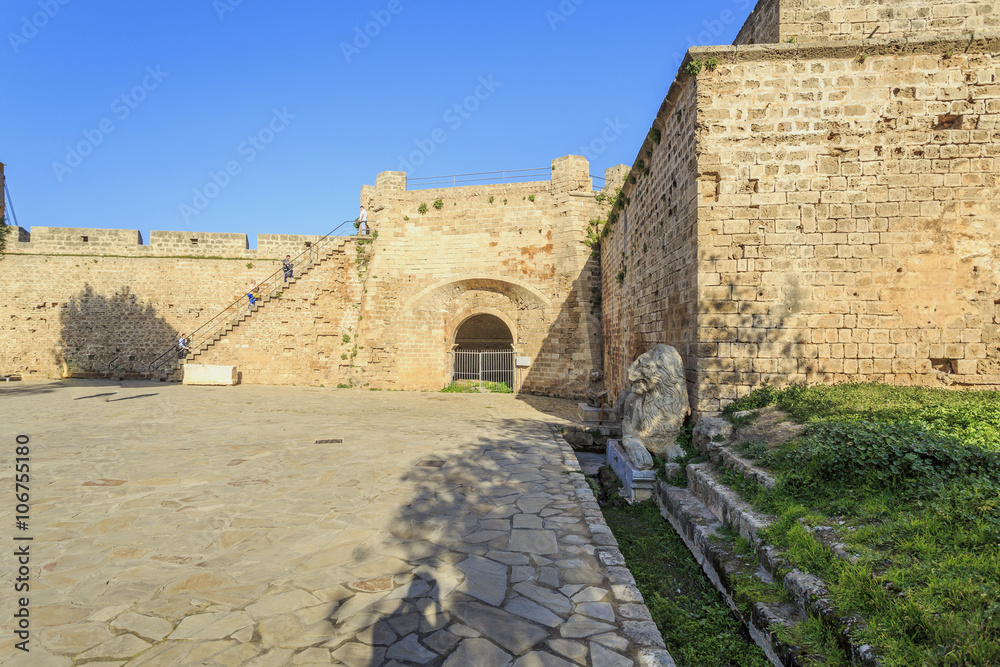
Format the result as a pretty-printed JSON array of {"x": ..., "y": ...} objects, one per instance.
[
  {"x": 426, "y": 182},
  {"x": 266, "y": 288}
]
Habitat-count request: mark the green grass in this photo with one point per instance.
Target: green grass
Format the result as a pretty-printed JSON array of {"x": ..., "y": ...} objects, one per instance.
[
  {"x": 909, "y": 478},
  {"x": 469, "y": 388},
  {"x": 691, "y": 455},
  {"x": 696, "y": 624}
]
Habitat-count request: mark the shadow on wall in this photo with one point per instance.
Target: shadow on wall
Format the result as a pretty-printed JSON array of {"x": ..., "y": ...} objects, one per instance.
[
  {"x": 558, "y": 370},
  {"x": 758, "y": 324},
  {"x": 99, "y": 330}
]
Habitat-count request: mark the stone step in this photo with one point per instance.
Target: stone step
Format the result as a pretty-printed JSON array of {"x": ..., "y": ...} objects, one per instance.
[
  {"x": 591, "y": 415},
  {"x": 716, "y": 505},
  {"x": 711, "y": 436},
  {"x": 702, "y": 533},
  {"x": 725, "y": 504}
]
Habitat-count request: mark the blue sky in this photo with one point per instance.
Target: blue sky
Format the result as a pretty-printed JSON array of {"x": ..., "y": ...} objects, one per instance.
[{"x": 263, "y": 117}]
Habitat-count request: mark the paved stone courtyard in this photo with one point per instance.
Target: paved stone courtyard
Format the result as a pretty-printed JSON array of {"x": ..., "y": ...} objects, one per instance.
[{"x": 178, "y": 525}]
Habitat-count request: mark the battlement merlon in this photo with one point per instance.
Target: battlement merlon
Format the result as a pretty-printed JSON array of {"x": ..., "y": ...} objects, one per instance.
[
  {"x": 803, "y": 21},
  {"x": 128, "y": 243},
  {"x": 569, "y": 173}
]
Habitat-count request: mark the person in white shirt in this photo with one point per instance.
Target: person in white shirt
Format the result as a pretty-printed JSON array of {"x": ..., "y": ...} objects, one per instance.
[{"x": 363, "y": 222}]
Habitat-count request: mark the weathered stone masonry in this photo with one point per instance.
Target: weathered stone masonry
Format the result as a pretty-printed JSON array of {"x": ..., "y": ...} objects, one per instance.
[
  {"x": 300, "y": 338},
  {"x": 379, "y": 312},
  {"x": 71, "y": 306},
  {"x": 818, "y": 211},
  {"x": 800, "y": 21},
  {"x": 515, "y": 251},
  {"x": 815, "y": 204}
]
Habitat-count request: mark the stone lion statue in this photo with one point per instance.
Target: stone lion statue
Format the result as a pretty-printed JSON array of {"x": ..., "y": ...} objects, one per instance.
[{"x": 655, "y": 408}]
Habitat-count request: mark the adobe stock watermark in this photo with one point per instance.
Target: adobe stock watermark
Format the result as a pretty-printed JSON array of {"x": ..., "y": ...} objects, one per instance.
[
  {"x": 223, "y": 7},
  {"x": 31, "y": 25},
  {"x": 122, "y": 107},
  {"x": 455, "y": 116},
  {"x": 562, "y": 13},
  {"x": 714, "y": 28},
  {"x": 612, "y": 131},
  {"x": 363, "y": 35},
  {"x": 248, "y": 150}
]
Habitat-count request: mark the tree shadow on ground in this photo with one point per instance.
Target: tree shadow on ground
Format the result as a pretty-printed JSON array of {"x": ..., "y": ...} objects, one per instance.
[
  {"x": 28, "y": 388},
  {"x": 486, "y": 562},
  {"x": 103, "y": 335},
  {"x": 561, "y": 408}
]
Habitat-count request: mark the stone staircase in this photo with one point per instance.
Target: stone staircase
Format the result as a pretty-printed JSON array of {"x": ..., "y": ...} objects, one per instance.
[
  {"x": 707, "y": 514},
  {"x": 174, "y": 371}
]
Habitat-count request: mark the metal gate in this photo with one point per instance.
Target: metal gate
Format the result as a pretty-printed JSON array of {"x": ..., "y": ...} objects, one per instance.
[{"x": 485, "y": 370}]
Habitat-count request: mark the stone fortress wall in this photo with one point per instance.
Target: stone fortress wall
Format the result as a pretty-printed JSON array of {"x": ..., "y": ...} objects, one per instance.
[
  {"x": 514, "y": 251},
  {"x": 381, "y": 312},
  {"x": 819, "y": 211},
  {"x": 816, "y": 203},
  {"x": 802, "y": 21},
  {"x": 307, "y": 336},
  {"x": 70, "y": 306}
]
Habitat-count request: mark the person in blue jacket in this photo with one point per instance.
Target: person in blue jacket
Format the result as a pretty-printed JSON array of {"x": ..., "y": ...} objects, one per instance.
[{"x": 253, "y": 295}]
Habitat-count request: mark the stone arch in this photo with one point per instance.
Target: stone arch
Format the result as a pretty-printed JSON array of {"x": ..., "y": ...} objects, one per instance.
[
  {"x": 455, "y": 326},
  {"x": 523, "y": 295},
  {"x": 483, "y": 350}
]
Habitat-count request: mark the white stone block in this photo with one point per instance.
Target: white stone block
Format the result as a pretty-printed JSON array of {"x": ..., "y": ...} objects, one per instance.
[
  {"x": 210, "y": 375},
  {"x": 589, "y": 413}
]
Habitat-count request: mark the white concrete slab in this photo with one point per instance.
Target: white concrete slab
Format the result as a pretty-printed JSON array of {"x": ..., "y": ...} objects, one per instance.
[{"x": 206, "y": 374}]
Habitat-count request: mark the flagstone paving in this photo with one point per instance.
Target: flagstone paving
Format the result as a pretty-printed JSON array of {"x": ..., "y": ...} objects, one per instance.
[{"x": 180, "y": 525}]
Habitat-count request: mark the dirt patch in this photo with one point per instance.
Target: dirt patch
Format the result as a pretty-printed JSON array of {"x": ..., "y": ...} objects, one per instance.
[{"x": 771, "y": 426}]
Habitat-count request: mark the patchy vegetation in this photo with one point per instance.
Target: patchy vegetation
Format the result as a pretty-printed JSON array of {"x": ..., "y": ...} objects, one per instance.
[
  {"x": 469, "y": 387},
  {"x": 4, "y": 231},
  {"x": 697, "y": 625},
  {"x": 906, "y": 481}
]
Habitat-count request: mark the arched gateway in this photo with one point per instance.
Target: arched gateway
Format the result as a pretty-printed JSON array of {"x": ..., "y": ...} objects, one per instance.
[
  {"x": 486, "y": 281},
  {"x": 483, "y": 354}
]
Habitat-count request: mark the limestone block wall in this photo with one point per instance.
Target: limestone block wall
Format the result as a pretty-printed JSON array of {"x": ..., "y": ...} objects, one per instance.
[
  {"x": 279, "y": 245},
  {"x": 87, "y": 311},
  {"x": 79, "y": 240},
  {"x": 69, "y": 306},
  {"x": 82, "y": 298},
  {"x": 774, "y": 21},
  {"x": 306, "y": 336},
  {"x": 763, "y": 26},
  {"x": 19, "y": 234},
  {"x": 819, "y": 20},
  {"x": 845, "y": 224},
  {"x": 854, "y": 231},
  {"x": 176, "y": 243},
  {"x": 649, "y": 257},
  {"x": 515, "y": 251}
]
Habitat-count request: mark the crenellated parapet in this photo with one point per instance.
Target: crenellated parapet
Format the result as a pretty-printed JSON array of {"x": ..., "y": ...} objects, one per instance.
[{"x": 129, "y": 243}]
